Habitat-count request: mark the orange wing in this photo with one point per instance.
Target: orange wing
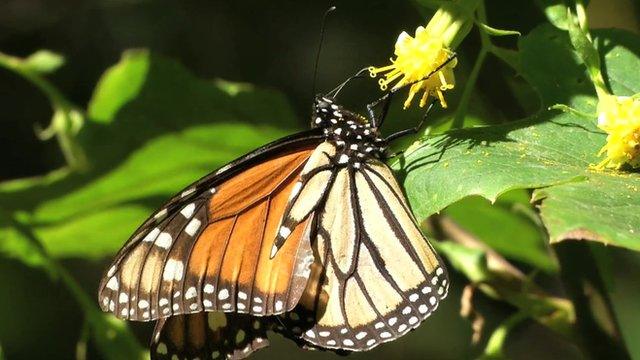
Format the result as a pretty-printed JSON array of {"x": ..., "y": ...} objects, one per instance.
[{"x": 209, "y": 250}]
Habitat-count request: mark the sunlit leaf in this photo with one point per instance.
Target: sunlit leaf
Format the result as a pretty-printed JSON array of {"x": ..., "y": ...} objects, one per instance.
[{"x": 552, "y": 151}]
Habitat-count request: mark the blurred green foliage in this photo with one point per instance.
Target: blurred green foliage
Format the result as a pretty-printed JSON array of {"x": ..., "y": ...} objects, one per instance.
[{"x": 150, "y": 127}]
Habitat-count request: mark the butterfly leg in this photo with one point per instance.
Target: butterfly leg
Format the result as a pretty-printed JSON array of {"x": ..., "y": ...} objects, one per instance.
[
  {"x": 413, "y": 130},
  {"x": 386, "y": 102}
]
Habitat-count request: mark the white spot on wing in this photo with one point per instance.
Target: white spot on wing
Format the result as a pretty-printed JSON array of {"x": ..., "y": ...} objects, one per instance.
[
  {"x": 164, "y": 240},
  {"x": 208, "y": 289},
  {"x": 113, "y": 284},
  {"x": 173, "y": 270},
  {"x": 191, "y": 293},
  {"x": 192, "y": 227},
  {"x": 223, "y": 294},
  {"x": 296, "y": 189},
  {"x": 187, "y": 192},
  {"x": 279, "y": 305},
  {"x": 112, "y": 270},
  {"x": 188, "y": 210},
  {"x": 160, "y": 214},
  {"x": 284, "y": 232},
  {"x": 123, "y": 298},
  {"x": 152, "y": 235}
]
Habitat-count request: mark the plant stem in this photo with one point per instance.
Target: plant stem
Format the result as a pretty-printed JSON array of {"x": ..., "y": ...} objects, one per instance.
[
  {"x": 461, "y": 111},
  {"x": 66, "y": 119}
]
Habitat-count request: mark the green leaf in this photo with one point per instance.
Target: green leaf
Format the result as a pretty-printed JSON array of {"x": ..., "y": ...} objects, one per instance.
[
  {"x": 153, "y": 129},
  {"x": 552, "y": 150},
  {"x": 605, "y": 208},
  {"x": 471, "y": 262},
  {"x": 479, "y": 217},
  {"x": 510, "y": 57},
  {"x": 43, "y": 62},
  {"x": 119, "y": 85},
  {"x": 551, "y": 66},
  {"x": 145, "y": 145},
  {"x": 555, "y": 11}
]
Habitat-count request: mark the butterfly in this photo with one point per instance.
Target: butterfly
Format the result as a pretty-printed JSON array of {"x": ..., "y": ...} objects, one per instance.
[{"x": 309, "y": 236}]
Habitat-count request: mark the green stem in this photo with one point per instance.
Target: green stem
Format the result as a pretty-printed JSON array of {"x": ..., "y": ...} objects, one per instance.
[
  {"x": 66, "y": 117},
  {"x": 461, "y": 111},
  {"x": 463, "y": 105}
]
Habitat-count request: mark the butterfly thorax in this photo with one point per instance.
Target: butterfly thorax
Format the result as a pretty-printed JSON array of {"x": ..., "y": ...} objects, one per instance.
[{"x": 355, "y": 139}]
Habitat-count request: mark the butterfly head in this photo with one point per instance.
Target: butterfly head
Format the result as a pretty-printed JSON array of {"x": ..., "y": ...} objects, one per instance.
[
  {"x": 348, "y": 130},
  {"x": 327, "y": 113}
]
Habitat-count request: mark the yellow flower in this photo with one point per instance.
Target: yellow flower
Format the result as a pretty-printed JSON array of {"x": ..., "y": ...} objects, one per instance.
[
  {"x": 619, "y": 116},
  {"x": 416, "y": 58}
]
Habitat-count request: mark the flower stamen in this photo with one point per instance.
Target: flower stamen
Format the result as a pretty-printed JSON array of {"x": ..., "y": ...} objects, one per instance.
[{"x": 415, "y": 63}]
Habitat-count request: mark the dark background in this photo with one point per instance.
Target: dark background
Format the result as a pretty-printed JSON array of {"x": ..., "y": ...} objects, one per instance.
[{"x": 268, "y": 43}]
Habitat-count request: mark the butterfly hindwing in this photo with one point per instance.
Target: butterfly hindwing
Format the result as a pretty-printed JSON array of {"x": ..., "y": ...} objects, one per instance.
[{"x": 209, "y": 335}]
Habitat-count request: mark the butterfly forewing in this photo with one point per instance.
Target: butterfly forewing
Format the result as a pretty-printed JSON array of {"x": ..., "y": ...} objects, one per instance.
[
  {"x": 380, "y": 276},
  {"x": 211, "y": 250}
]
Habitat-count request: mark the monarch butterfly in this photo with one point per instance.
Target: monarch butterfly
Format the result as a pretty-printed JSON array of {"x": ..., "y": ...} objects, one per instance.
[{"x": 309, "y": 236}]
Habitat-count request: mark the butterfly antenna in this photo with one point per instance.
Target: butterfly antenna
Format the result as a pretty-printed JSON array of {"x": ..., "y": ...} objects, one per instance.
[
  {"x": 359, "y": 75},
  {"x": 322, "y": 28}
]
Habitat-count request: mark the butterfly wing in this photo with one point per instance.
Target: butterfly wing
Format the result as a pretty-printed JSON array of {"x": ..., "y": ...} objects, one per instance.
[
  {"x": 208, "y": 248},
  {"x": 377, "y": 276},
  {"x": 209, "y": 335}
]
